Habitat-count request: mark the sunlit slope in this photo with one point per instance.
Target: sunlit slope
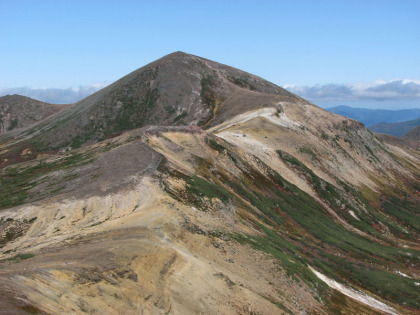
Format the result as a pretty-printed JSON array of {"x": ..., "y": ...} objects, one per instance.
[{"x": 272, "y": 205}]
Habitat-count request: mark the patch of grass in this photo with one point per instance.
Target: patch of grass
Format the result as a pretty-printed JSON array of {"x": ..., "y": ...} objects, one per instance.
[
  {"x": 200, "y": 188},
  {"x": 405, "y": 214},
  {"x": 208, "y": 96},
  {"x": 289, "y": 158},
  {"x": 197, "y": 190},
  {"x": 19, "y": 257},
  {"x": 241, "y": 82},
  {"x": 58, "y": 189},
  {"x": 13, "y": 124},
  {"x": 24, "y": 256},
  {"x": 278, "y": 304},
  {"x": 324, "y": 136},
  {"x": 70, "y": 176},
  {"x": 381, "y": 282},
  {"x": 335, "y": 197},
  {"x": 286, "y": 252},
  {"x": 297, "y": 231},
  {"x": 31, "y": 309},
  {"x": 133, "y": 113},
  {"x": 180, "y": 116},
  {"x": 170, "y": 109},
  {"x": 135, "y": 107},
  {"x": 325, "y": 233},
  {"x": 371, "y": 153},
  {"x": 308, "y": 151},
  {"x": 266, "y": 205},
  {"x": 215, "y": 145},
  {"x": 16, "y": 182},
  {"x": 404, "y": 210}
]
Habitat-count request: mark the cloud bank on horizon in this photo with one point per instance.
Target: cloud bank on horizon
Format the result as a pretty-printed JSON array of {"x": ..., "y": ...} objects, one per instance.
[
  {"x": 379, "y": 91},
  {"x": 384, "y": 93},
  {"x": 55, "y": 95}
]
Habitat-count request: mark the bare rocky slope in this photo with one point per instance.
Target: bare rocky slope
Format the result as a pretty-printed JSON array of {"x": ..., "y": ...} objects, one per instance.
[
  {"x": 240, "y": 198},
  {"x": 178, "y": 89},
  {"x": 17, "y": 111}
]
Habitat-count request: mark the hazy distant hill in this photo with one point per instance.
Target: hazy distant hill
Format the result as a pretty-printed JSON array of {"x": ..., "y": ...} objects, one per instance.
[
  {"x": 413, "y": 134},
  {"x": 371, "y": 117},
  {"x": 396, "y": 129}
]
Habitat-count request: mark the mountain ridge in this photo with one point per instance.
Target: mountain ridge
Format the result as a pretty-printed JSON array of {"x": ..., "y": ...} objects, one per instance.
[
  {"x": 186, "y": 108},
  {"x": 396, "y": 129},
  {"x": 204, "y": 93},
  {"x": 270, "y": 205},
  {"x": 371, "y": 117}
]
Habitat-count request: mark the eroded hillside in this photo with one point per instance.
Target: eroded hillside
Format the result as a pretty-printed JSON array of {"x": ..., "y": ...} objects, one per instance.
[{"x": 274, "y": 207}]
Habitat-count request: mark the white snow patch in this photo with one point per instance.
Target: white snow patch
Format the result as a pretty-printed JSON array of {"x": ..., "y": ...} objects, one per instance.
[
  {"x": 268, "y": 113},
  {"x": 352, "y": 293},
  {"x": 403, "y": 274},
  {"x": 353, "y": 215}
]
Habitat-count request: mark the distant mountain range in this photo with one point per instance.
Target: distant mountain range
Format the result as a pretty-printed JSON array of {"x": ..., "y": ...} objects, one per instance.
[
  {"x": 371, "y": 117},
  {"x": 396, "y": 129}
]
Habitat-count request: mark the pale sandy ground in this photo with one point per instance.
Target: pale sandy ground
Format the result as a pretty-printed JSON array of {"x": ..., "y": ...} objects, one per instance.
[
  {"x": 137, "y": 250},
  {"x": 130, "y": 252}
]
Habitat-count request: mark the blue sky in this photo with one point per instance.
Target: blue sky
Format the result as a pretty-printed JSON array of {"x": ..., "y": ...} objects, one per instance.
[{"x": 308, "y": 46}]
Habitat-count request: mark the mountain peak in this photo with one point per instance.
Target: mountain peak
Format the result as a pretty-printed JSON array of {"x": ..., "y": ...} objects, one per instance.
[
  {"x": 177, "y": 89},
  {"x": 282, "y": 197},
  {"x": 175, "y": 54},
  {"x": 179, "y": 53}
]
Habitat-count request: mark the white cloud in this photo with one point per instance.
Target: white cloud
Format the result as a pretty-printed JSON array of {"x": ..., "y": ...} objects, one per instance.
[
  {"x": 401, "y": 89},
  {"x": 380, "y": 90},
  {"x": 55, "y": 95}
]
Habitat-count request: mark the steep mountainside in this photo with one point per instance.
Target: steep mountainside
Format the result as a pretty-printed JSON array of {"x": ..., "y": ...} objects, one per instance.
[
  {"x": 18, "y": 111},
  {"x": 272, "y": 205},
  {"x": 397, "y": 129},
  {"x": 413, "y": 134},
  {"x": 178, "y": 89},
  {"x": 371, "y": 117}
]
